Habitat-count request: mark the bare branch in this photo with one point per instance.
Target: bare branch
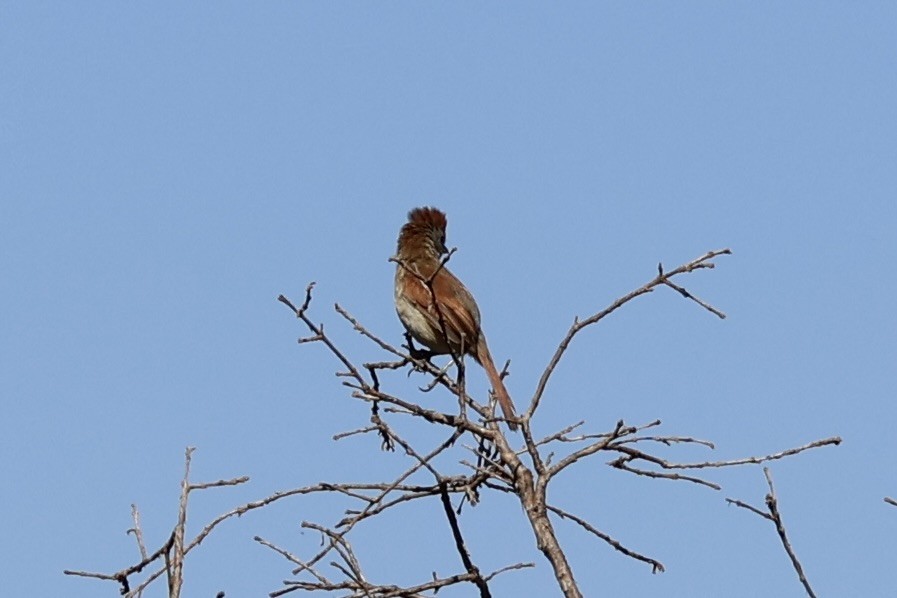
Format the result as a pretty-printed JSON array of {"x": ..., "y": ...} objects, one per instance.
[
  {"x": 656, "y": 566},
  {"x": 772, "y": 506},
  {"x": 621, "y": 464},
  {"x": 138, "y": 533},
  {"x": 750, "y": 508},
  {"x": 287, "y": 555},
  {"x": 661, "y": 278},
  {"x": 472, "y": 569},
  {"x": 682, "y": 291},
  {"x": 635, "y": 454},
  {"x": 319, "y": 335},
  {"x": 175, "y": 562}
]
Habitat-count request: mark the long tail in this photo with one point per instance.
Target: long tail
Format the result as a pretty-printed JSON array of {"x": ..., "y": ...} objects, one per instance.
[{"x": 498, "y": 387}]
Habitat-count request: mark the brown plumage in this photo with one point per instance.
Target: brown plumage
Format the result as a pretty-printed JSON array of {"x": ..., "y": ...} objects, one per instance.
[{"x": 421, "y": 244}]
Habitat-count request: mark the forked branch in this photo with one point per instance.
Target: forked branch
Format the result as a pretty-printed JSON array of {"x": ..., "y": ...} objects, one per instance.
[
  {"x": 662, "y": 278},
  {"x": 772, "y": 514}
]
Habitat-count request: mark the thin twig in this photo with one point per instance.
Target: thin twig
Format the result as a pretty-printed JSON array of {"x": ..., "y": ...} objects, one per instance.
[
  {"x": 636, "y": 454},
  {"x": 175, "y": 561},
  {"x": 773, "y": 505},
  {"x": 656, "y": 566},
  {"x": 773, "y": 514}
]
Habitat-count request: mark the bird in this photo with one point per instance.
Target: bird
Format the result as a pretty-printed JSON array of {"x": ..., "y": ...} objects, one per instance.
[{"x": 434, "y": 306}]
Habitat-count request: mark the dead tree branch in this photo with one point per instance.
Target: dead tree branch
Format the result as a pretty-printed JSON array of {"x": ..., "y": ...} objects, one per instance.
[
  {"x": 773, "y": 515},
  {"x": 662, "y": 278},
  {"x": 173, "y": 551},
  {"x": 502, "y": 462}
]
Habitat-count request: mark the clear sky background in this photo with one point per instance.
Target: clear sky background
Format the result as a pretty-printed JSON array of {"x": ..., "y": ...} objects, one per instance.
[{"x": 168, "y": 169}]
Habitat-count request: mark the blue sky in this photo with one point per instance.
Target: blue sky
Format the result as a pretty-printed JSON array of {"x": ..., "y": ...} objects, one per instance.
[{"x": 170, "y": 169}]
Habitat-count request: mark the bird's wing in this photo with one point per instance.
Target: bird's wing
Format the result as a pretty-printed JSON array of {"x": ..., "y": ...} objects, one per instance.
[{"x": 456, "y": 306}]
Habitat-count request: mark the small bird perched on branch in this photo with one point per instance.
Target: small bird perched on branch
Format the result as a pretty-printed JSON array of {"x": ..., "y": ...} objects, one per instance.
[{"x": 434, "y": 306}]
